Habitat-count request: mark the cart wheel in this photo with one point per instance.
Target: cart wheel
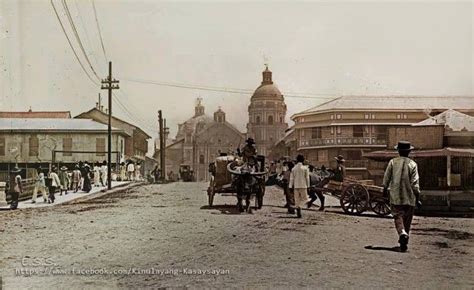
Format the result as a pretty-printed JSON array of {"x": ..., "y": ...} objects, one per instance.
[
  {"x": 380, "y": 206},
  {"x": 354, "y": 199}
]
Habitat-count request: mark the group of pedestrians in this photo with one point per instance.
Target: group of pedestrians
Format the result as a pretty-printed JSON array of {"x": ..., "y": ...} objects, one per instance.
[
  {"x": 130, "y": 171},
  {"x": 400, "y": 183}
]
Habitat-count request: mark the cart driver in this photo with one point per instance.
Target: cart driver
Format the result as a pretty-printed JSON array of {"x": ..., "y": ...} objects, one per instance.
[
  {"x": 340, "y": 170},
  {"x": 249, "y": 152}
]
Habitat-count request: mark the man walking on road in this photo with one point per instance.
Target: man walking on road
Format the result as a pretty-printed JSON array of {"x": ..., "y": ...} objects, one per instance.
[
  {"x": 401, "y": 176},
  {"x": 40, "y": 185},
  {"x": 299, "y": 181}
]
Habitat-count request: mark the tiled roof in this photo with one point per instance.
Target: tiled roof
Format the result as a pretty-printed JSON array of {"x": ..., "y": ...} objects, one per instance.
[
  {"x": 452, "y": 120},
  {"x": 39, "y": 114},
  {"x": 393, "y": 103},
  {"x": 52, "y": 124}
]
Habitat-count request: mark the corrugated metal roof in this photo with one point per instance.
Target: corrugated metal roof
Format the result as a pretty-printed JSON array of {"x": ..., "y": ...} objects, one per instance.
[
  {"x": 51, "y": 124},
  {"x": 393, "y": 103},
  {"x": 39, "y": 114},
  {"x": 452, "y": 120}
]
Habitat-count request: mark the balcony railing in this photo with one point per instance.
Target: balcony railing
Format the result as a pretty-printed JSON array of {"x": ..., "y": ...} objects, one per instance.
[
  {"x": 356, "y": 163},
  {"x": 338, "y": 141}
]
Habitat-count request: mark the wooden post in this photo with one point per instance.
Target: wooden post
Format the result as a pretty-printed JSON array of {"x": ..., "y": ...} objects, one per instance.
[
  {"x": 448, "y": 170},
  {"x": 108, "y": 84}
]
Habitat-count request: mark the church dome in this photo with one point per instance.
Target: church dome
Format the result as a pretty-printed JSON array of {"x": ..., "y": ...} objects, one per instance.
[{"x": 267, "y": 90}]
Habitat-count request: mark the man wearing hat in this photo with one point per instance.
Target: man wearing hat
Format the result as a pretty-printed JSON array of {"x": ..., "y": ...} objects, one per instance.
[
  {"x": 401, "y": 176},
  {"x": 249, "y": 151},
  {"x": 40, "y": 185},
  {"x": 299, "y": 181},
  {"x": 64, "y": 179},
  {"x": 340, "y": 170},
  {"x": 15, "y": 187}
]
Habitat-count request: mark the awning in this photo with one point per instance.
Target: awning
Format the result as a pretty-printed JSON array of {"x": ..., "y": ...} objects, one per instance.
[{"x": 388, "y": 154}]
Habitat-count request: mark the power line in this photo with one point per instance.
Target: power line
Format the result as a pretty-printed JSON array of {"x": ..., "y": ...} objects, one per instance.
[
  {"x": 226, "y": 90},
  {"x": 81, "y": 21},
  {"x": 72, "y": 47},
  {"x": 71, "y": 22},
  {"x": 98, "y": 28}
]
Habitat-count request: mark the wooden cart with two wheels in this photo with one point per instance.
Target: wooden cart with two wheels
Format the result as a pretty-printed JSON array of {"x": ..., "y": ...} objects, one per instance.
[{"x": 358, "y": 196}]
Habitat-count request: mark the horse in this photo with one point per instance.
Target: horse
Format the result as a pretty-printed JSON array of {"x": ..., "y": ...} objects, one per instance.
[{"x": 247, "y": 181}]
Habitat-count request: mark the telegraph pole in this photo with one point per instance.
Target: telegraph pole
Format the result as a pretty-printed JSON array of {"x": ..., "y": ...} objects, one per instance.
[
  {"x": 109, "y": 84},
  {"x": 165, "y": 133},
  {"x": 162, "y": 146}
]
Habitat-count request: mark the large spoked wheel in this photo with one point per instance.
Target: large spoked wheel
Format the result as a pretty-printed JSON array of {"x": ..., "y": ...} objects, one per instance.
[
  {"x": 380, "y": 206},
  {"x": 354, "y": 199}
]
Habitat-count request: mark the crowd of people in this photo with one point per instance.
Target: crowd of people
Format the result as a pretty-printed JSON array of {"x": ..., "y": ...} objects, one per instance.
[
  {"x": 83, "y": 177},
  {"x": 301, "y": 185}
]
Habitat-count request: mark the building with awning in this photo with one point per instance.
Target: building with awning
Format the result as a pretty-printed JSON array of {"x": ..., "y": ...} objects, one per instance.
[{"x": 443, "y": 150}]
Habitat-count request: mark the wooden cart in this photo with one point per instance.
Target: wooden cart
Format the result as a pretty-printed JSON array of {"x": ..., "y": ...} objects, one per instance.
[{"x": 357, "y": 196}]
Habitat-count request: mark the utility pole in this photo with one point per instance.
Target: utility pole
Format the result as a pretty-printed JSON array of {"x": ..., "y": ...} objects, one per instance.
[
  {"x": 162, "y": 146},
  {"x": 109, "y": 84},
  {"x": 165, "y": 134}
]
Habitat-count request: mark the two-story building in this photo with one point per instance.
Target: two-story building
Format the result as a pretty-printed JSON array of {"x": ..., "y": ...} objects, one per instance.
[
  {"x": 135, "y": 144},
  {"x": 354, "y": 125},
  {"x": 39, "y": 142}
]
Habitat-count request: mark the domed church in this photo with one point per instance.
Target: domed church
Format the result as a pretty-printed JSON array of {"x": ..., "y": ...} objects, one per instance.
[{"x": 267, "y": 112}]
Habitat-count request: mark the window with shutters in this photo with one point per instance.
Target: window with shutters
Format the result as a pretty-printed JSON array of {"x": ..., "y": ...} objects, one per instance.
[
  {"x": 33, "y": 146},
  {"x": 67, "y": 146},
  {"x": 100, "y": 146},
  {"x": 201, "y": 159},
  {"x": 257, "y": 120},
  {"x": 270, "y": 120},
  {"x": 358, "y": 131},
  {"x": 316, "y": 133},
  {"x": 2, "y": 146}
]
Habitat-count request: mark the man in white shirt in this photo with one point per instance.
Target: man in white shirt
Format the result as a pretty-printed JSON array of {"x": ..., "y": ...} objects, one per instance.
[
  {"x": 299, "y": 181},
  {"x": 131, "y": 171}
]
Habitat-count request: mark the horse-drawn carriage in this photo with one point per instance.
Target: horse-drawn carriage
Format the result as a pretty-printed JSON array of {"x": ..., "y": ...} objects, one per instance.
[{"x": 232, "y": 177}]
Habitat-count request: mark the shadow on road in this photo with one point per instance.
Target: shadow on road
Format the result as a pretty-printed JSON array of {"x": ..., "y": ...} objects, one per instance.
[
  {"x": 379, "y": 248},
  {"x": 369, "y": 215},
  {"x": 224, "y": 209}
]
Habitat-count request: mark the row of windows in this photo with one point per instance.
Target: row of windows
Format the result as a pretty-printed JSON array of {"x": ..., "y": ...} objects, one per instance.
[
  {"x": 270, "y": 120},
  {"x": 357, "y": 131},
  {"x": 33, "y": 146},
  {"x": 367, "y": 116}
]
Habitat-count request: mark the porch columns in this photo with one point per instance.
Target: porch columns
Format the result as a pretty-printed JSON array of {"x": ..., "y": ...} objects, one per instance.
[
  {"x": 3, "y": 198},
  {"x": 448, "y": 170}
]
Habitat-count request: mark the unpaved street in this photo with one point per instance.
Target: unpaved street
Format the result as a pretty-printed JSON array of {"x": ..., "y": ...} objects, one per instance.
[{"x": 166, "y": 236}]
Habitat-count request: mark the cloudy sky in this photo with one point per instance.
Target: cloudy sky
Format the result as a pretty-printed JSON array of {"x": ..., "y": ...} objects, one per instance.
[{"x": 317, "y": 49}]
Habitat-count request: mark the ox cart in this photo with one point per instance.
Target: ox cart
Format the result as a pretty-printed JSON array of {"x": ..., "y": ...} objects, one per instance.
[
  {"x": 231, "y": 177},
  {"x": 358, "y": 196}
]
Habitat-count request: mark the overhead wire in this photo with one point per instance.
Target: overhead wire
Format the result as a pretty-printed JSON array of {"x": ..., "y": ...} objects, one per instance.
[
  {"x": 226, "y": 90},
  {"x": 81, "y": 46},
  {"x": 72, "y": 47},
  {"x": 98, "y": 28},
  {"x": 88, "y": 39}
]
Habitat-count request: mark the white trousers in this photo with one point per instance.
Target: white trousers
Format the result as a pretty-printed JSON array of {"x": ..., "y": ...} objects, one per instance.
[
  {"x": 301, "y": 197},
  {"x": 35, "y": 192}
]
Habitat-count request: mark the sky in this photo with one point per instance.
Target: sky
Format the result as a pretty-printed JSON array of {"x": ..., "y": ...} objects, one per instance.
[{"x": 317, "y": 49}]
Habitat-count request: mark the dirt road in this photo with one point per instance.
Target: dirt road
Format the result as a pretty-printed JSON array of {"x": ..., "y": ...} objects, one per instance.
[{"x": 166, "y": 236}]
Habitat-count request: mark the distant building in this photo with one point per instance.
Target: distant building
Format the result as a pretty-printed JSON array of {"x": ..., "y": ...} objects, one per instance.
[
  {"x": 267, "y": 112},
  {"x": 38, "y": 141},
  {"x": 200, "y": 140},
  {"x": 445, "y": 156},
  {"x": 36, "y": 114},
  {"x": 135, "y": 144},
  {"x": 355, "y": 125}
]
